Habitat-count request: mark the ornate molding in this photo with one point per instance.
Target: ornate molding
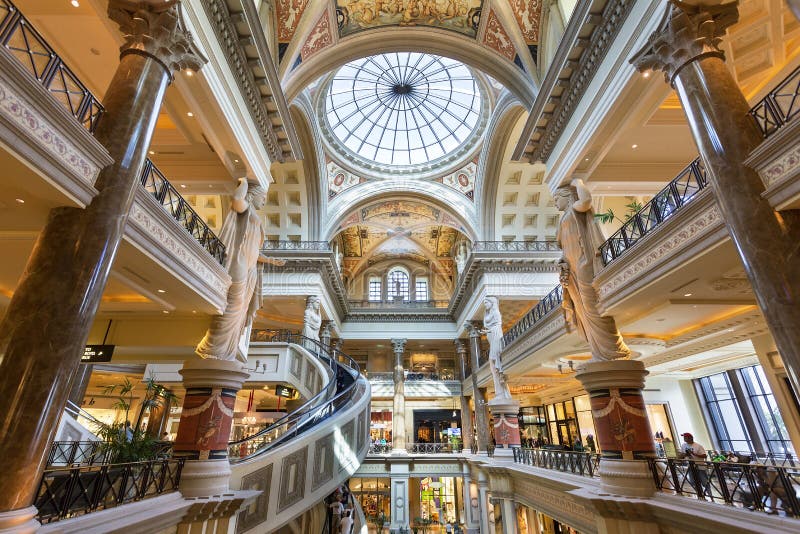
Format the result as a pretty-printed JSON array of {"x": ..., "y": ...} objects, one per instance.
[
  {"x": 688, "y": 32},
  {"x": 156, "y": 31},
  {"x": 788, "y": 165}
]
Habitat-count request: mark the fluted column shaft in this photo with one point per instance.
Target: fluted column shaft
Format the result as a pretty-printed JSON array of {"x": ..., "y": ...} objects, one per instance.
[
  {"x": 686, "y": 48},
  {"x": 481, "y": 415},
  {"x": 466, "y": 414},
  {"x": 399, "y": 406},
  {"x": 48, "y": 319}
]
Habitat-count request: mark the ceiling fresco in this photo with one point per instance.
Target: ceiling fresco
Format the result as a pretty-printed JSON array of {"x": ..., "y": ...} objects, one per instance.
[
  {"x": 288, "y": 14},
  {"x": 528, "y": 14},
  {"x": 321, "y": 36},
  {"x": 462, "y": 16},
  {"x": 462, "y": 180},
  {"x": 496, "y": 37}
]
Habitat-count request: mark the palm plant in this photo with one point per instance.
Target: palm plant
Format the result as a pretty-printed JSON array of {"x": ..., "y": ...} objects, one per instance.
[{"x": 609, "y": 216}]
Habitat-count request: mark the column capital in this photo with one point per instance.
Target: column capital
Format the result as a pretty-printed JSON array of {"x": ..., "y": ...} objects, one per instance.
[
  {"x": 155, "y": 29},
  {"x": 688, "y": 31},
  {"x": 461, "y": 348},
  {"x": 399, "y": 345},
  {"x": 472, "y": 329}
]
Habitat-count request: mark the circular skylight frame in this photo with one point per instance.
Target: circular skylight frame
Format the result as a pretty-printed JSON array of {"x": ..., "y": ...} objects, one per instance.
[{"x": 406, "y": 81}]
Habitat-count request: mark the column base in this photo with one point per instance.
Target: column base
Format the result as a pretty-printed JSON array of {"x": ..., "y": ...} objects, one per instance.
[
  {"x": 203, "y": 478},
  {"x": 22, "y": 521},
  {"x": 399, "y": 452},
  {"x": 506, "y": 426},
  {"x": 630, "y": 478}
]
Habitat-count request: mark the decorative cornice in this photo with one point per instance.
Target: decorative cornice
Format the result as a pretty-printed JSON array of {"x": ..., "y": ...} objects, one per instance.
[
  {"x": 230, "y": 41},
  {"x": 688, "y": 32},
  {"x": 562, "y": 92},
  {"x": 156, "y": 31}
]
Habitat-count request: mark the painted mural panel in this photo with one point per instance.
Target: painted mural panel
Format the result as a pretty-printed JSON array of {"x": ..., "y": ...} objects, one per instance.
[
  {"x": 528, "y": 14},
  {"x": 462, "y": 16},
  {"x": 319, "y": 38},
  {"x": 289, "y": 13},
  {"x": 497, "y": 38}
]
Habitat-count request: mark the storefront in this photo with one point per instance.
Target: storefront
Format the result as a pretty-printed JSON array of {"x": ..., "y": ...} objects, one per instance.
[
  {"x": 439, "y": 502},
  {"x": 433, "y": 426},
  {"x": 374, "y": 496}
]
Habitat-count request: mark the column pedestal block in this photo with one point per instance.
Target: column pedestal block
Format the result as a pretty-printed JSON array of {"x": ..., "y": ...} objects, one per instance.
[
  {"x": 22, "y": 521},
  {"x": 205, "y": 427},
  {"x": 506, "y": 426}
]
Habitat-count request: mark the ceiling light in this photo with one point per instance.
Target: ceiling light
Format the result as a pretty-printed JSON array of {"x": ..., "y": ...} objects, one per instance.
[
  {"x": 236, "y": 161},
  {"x": 646, "y": 74},
  {"x": 161, "y": 291},
  {"x": 19, "y": 201},
  {"x": 586, "y": 159},
  {"x": 183, "y": 186},
  {"x": 75, "y": 3},
  {"x": 634, "y": 146},
  {"x": 190, "y": 114},
  {"x": 730, "y": 329},
  {"x": 151, "y": 152},
  {"x": 210, "y": 186},
  {"x": 189, "y": 72},
  {"x": 194, "y": 311},
  {"x": 687, "y": 294},
  {"x": 165, "y": 311}
]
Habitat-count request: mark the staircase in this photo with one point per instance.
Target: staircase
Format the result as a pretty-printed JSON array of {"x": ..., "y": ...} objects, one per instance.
[{"x": 303, "y": 457}]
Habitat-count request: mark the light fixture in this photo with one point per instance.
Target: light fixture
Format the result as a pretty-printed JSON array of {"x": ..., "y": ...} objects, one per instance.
[
  {"x": 634, "y": 146},
  {"x": 151, "y": 152},
  {"x": 646, "y": 74},
  {"x": 165, "y": 312},
  {"x": 189, "y": 72},
  {"x": 183, "y": 186},
  {"x": 687, "y": 294},
  {"x": 161, "y": 291},
  {"x": 194, "y": 311},
  {"x": 189, "y": 114},
  {"x": 75, "y": 3},
  {"x": 20, "y": 201},
  {"x": 236, "y": 161}
]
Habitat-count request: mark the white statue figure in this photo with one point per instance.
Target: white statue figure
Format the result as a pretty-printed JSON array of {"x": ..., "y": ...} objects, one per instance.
[
  {"x": 243, "y": 235},
  {"x": 579, "y": 238},
  {"x": 461, "y": 257},
  {"x": 312, "y": 318},
  {"x": 339, "y": 260},
  {"x": 493, "y": 328}
]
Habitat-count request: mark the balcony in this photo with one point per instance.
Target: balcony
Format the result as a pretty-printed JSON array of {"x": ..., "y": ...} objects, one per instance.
[
  {"x": 416, "y": 385},
  {"x": 398, "y": 304},
  {"x": 777, "y": 158}
]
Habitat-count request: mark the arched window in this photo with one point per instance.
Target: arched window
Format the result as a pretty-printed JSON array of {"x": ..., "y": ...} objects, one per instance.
[{"x": 397, "y": 284}]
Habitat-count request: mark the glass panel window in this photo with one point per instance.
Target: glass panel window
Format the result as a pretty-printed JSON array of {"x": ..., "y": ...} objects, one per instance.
[
  {"x": 375, "y": 289},
  {"x": 723, "y": 410},
  {"x": 766, "y": 410},
  {"x": 397, "y": 284},
  {"x": 421, "y": 290}
]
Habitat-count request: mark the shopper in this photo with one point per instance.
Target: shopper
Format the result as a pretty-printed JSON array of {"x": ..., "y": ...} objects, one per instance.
[{"x": 346, "y": 523}]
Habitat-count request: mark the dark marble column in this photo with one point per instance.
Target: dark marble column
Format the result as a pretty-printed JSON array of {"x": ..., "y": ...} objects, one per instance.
[
  {"x": 686, "y": 48},
  {"x": 466, "y": 413},
  {"x": 159, "y": 416},
  {"x": 399, "y": 406},
  {"x": 48, "y": 319},
  {"x": 481, "y": 415}
]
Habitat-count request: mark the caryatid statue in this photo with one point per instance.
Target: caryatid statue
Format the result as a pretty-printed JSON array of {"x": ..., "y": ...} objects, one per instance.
[
  {"x": 312, "y": 318},
  {"x": 579, "y": 238},
  {"x": 493, "y": 328},
  {"x": 243, "y": 236}
]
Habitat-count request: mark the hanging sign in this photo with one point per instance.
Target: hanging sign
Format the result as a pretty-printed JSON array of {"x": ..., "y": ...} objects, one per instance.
[
  {"x": 285, "y": 391},
  {"x": 97, "y": 353}
]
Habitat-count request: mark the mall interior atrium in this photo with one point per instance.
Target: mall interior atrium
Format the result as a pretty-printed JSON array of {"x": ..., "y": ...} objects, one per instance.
[{"x": 400, "y": 266}]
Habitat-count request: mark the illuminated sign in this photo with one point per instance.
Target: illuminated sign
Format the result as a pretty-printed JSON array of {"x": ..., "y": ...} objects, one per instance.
[
  {"x": 97, "y": 353},
  {"x": 285, "y": 392}
]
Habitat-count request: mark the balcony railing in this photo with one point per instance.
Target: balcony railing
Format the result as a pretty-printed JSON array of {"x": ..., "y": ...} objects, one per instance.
[
  {"x": 172, "y": 201},
  {"x": 321, "y": 246},
  {"x": 550, "y": 302},
  {"x": 766, "y": 488},
  {"x": 433, "y": 448},
  {"x": 412, "y": 376},
  {"x": 515, "y": 246},
  {"x": 22, "y": 41},
  {"x": 580, "y": 463},
  {"x": 70, "y": 492},
  {"x": 779, "y": 106},
  {"x": 77, "y": 453},
  {"x": 681, "y": 190},
  {"x": 398, "y": 304}
]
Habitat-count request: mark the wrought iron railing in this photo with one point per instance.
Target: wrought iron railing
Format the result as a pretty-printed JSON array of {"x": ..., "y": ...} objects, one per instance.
[
  {"x": 767, "y": 488},
  {"x": 380, "y": 448},
  {"x": 412, "y": 376},
  {"x": 681, "y": 190},
  {"x": 177, "y": 206},
  {"x": 780, "y": 105},
  {"x": 24, "y": 43},
  {"x": 321, "y": 246},
  {"x": 77, "y": 453},
  {"x": 433, "y": 448},
  {"x": 337, "y": 394},
  {"x": 398, "y": 304},
  {"x": 261, "y": 334},
  {"x": 515, "y": 246},
  {"x": 580, "y": 463},
  {"x": 69, "y": 492},
  {"x": 550, "y": 302}
]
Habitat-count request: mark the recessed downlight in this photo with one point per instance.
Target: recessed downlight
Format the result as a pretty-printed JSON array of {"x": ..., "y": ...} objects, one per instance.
[
  {"x": 19, "y": 201},
  {"x": 687, "y": 294},
  {"x": 161, "y": 290},
  {"x": 189, "y": 114},
  {"x": 75, "y": 3},
  {"x": 634, "y": 146}
]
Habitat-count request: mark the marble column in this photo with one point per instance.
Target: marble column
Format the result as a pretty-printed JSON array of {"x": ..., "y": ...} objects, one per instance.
[
  {"x": 205, "y": 427},
  {"x": 48, "y": 319},
  {"x": 773, "y": 367},
  {"x": 399, "y": 406},
  {"x": 466, "y": 413},
  {"x": 158, "y": 417},
  {"x": 620, "y": 420},
  {"x": 79, "y": 383},
  {"x": 509, "y": 519},
  {"x": 486, "y": 521},
  {"x": 481, "y": 415},
  {"x": 472, "y": 510},
  {"x": 686, "y": 48}
]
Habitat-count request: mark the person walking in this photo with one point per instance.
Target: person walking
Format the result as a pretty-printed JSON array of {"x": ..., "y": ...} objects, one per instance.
[
  {"x": 697, "y": 474},
  {"x": 346, "y": 523},
  {"x": 336, "y": 515}
]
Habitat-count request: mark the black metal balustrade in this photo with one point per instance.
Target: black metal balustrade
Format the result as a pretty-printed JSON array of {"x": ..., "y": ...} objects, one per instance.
[
  {"x": 767, "y": 488},
  {"x": 177, "y": 206},
  {"x": 780, "y": 105},
  {"x": 550, "y": 302},
  {"x": 77, "y": 453},
  {"x": 70, "y": 492},
  {"x": 398, "y": 304},
  {"x": 681, "y": 190},
  {"x": 433, "y": 448},
  {"x": 380, "y": 448},
  {"x": 580, "y": 463},
  {"x": 321, "y": 246},
  {"x": 515, "y": 246},
  {"x": 24, "y": 43}
]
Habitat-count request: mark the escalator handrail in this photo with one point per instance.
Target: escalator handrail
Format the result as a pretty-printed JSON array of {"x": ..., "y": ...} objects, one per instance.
[{"x": 331, "y": 358}]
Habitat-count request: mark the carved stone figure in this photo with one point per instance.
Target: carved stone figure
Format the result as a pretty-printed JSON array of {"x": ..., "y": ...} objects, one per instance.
[
  {"x": 243, "y": 235},
  {"x": 312, "y": 318},
  {"x": 579, "y": 238},
  {"x": 493, "y": 328},
  {"x": 461, "y": 257}
]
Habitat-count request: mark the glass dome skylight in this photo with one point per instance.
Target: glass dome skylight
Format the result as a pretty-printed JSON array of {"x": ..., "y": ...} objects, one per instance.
[{"x": 403, "y": 109}]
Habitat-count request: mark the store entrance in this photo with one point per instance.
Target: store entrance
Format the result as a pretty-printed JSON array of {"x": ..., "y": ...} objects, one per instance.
[{"x": 432, "y": 426}]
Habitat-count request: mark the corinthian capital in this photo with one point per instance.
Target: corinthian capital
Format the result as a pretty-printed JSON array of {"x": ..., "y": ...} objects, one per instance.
[
  {"x": 155, "y": 29},
  {"x": 689, "y": 31}
]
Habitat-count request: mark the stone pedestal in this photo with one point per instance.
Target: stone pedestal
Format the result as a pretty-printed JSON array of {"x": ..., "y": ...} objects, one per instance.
[
  {"x": 686, "y": 48},
  {"x": 205, "y": 427},
  {"x": 620, "y": 418},
  {"x": 506, "y": 426}
]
